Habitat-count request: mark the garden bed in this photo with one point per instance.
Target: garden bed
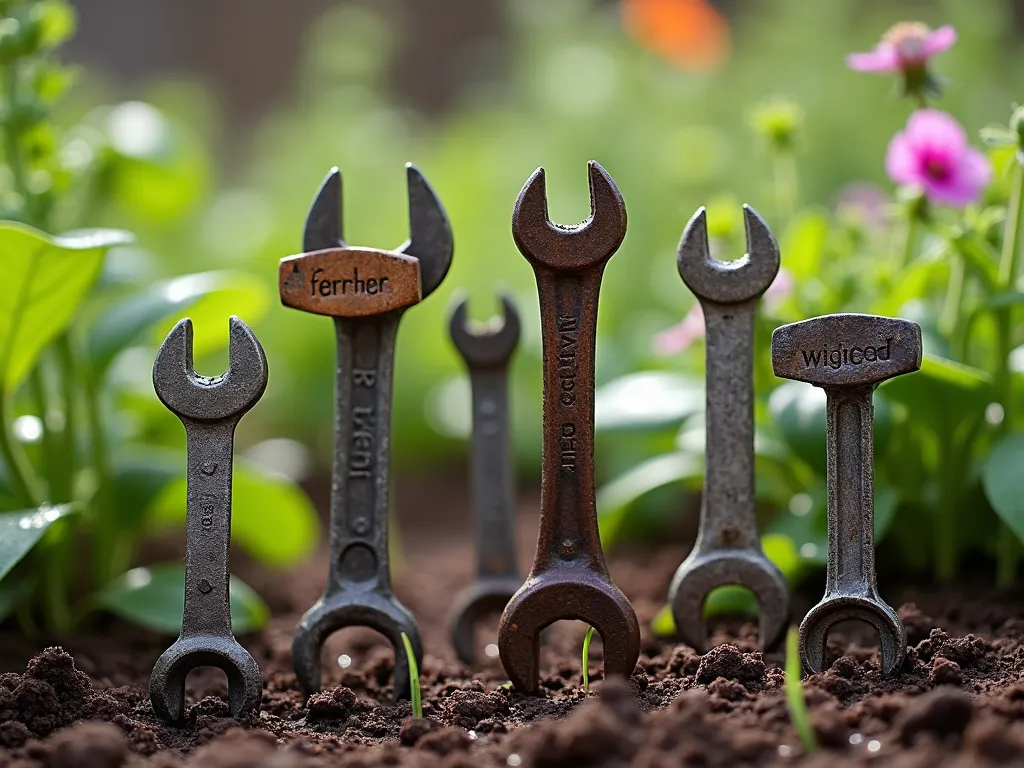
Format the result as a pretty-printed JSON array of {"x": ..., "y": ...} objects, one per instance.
[{"x": 956, "y": 702}]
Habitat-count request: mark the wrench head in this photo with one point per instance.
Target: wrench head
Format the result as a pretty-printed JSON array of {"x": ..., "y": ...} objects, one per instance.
[
  {"x": 204, "y": 398},
  {"x": 354, "y": 609},
  {"x": 702, "y": 572},
  {"x": 167, "y": 683},
  {"x": 483, "y": 598},
  {"x": 892, "y": 636},
  {"x": 430, "y": 233},
  {"x": 567, "y": 593},
  {"x": 728, "y": 282},
  {"x": 491, "y": 347},
  {"x": 569, "y": 248}
]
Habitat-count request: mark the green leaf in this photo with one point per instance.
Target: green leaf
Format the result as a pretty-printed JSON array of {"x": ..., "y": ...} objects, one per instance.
[
  {"x": 22, "y": 530},
  {"x": 646, "y": 401},
  {"x": 944, "y": 394},
  {"x": 663, "y": 625},
  {"x": 615, "y": 498},
  {"x": 126, "y": 321},
  {"x": 803, "y": 243},
  {"x": 12, "y": 591},
  {"x": 57, "y": 22},
  {"x": 47, "y": 279},
  {"x": 979, "y": 256},
  {"x": 140, "y": 474},
  {"x": 798, "y": 410},
  {"x": 217, "y": 296},
  {"x": 1003, "y": 481},
  {"x": 154, "y": 598},
  {"x": 272, "y": 518}
]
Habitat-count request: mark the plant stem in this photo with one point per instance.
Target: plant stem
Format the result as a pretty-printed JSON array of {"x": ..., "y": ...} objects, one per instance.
[
  {"x": 65, "y": 478},
  {"x": 23, "y": 480},
  {"x": 954, "y": 294},
  {"x": 946, "y": 556},
  {"x": 910, "y": 243},
  {"x": 105, "y": 531},
  {"x": 786, "y": 184},
  {"x": 1007, "y": 553}
]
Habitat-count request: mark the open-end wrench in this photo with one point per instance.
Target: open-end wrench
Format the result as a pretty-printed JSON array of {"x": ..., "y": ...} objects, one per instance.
[
  {"x": 849, "y": 355},
  {"x": 209, "y": 409},
  {"x": 569, "y": 578},
  {"x": 728, "y": 550},
  {"x": 366, "y": 291},
  {"x": 487, "y": 356}
]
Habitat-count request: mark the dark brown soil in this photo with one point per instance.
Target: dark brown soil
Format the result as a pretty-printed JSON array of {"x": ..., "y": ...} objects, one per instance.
[{"x": 959, "y": 700}]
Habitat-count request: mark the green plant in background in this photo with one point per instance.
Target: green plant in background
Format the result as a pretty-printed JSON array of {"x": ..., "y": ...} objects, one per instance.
[
  {"x": 795, "y": 694},
  {"x": 586, "y": 659},
  {"x": 414, "y": 677},
  {"x": 83, "y": 441}
]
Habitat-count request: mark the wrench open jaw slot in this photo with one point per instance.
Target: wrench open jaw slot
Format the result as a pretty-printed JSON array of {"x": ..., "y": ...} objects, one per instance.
[
  {"x": 569, "y": 578},
  {"x": 728, "y": 549},
  {"x": 366, "y": 291},
  {"x": 209, "y": 409},
  {"x": 487, "y": 354},
  {"x": 848, "y": 355}
]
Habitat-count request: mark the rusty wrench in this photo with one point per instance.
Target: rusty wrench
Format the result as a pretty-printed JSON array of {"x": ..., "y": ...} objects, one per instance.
[
  {"x": 209, "y": 409},
  {"x": 728, "y": 550},
  {"x": 843, "y": 354},
  {"x": 487, "y": 356},
  {"x": 366, "y": 309},
  {"x": 569, "y": 579}
]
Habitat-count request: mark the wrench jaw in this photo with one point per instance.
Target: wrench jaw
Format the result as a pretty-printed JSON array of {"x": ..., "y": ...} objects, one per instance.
[
  {"x": 430, "y": 233},
  {"x": 554, "y": 596},
  {"x": 702, "y": 572},
  {"x": 201, "y": 398},
  {"x": 491, "y": 348},
  {"x": 814, "y": 629},
  {"x": 369, "y": 609},
  {"x": 324, "y": 222},
  {"x": 567, "y": 248},
  {"x": 728, "y": 282},
  {"x": 167, "y": 684},
  {"x": 486, "y": 597}
]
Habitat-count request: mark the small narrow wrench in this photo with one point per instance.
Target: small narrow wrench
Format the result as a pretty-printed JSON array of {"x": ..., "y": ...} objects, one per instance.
[
  {"x": 209, "y": 409},
  {"x": 849, "y": 355},
  {"x": 366, "y": 291},
  {"x": 728, "y": 550},
  {"x": 569, "y": 579},
  {"x": 487, "y": 356}
]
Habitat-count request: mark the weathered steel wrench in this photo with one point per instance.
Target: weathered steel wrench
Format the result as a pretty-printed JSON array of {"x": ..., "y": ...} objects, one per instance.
[
  {"x": 848, "y": 356},
  {"x": 366, "y": 291},
  {"x": 569, "y": 579},
  {"x": 728, "y": 550},
  {"x": 210, "y": 409},
  {"x": 487, "y": 356}
]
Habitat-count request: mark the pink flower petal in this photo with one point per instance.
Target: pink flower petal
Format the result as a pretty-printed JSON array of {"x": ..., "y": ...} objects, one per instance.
[
  {"x": 882, "y": 59},
  {"x": 676, "y": 339},
  {"x": 937, "y": 131},
  {"x": 901, "y": 161},
  {"x": 940, "y": 40}
]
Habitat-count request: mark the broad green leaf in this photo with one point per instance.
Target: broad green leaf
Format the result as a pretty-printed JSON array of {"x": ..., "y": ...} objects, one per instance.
[
  {"x": 1003, "y": 481},
  {"x": 217, "y": 296},
  {"x": 887, "y": 499},
  {"x": 22, "y": 530},
  {"x": 272, "y": 518},
  {"x": 979, "y": 256},
  {"x": 126, "y": 321},
  {"x": 13, "y": 589},
  {"x": 798, "y": 411},
  {"x": 615, "y": 498},
  {"x": 942, "y": 393},
  {"x": 154, "y": 598},
  {"x": 140, "y": 474},
  {"x": 803, "y": 243},
  {"x": 647, "y": 400},
  {"x": 47, "y": 279}
]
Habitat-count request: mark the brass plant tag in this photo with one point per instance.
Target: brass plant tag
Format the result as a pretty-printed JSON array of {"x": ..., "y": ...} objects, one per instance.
[{"x": 349, "y": 282}]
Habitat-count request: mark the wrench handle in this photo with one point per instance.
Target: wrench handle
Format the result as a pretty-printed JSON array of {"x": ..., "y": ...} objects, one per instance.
[
  {"x": 208, "y": 528},
  {"x": 568, "y": 511},
  {"x": 728, "y": 519},
  {"x": 850, "y": 481},
  {"x": 492, "y": 473},
  {"x": 362, "y": 429}
]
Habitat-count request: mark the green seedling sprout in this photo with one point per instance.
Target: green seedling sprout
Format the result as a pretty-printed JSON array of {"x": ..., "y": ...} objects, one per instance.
[
  {"x": 414, "y": 677},
  {"x": 586, "y": 658},
  {"x": 795, "y": 694}
]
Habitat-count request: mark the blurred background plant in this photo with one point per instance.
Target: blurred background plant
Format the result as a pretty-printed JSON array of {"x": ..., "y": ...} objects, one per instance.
[{"x": 686, "y": 103}]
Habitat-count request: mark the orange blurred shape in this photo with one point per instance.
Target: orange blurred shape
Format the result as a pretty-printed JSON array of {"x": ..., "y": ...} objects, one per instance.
[{"x": 689, "y": 33}]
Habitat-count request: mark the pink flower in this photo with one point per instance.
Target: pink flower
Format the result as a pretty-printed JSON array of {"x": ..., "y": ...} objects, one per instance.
[
  {"x": 908, "y": 45},
  {"x": 674, "y": 340},
  {"x": 933, "y": 153}
]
